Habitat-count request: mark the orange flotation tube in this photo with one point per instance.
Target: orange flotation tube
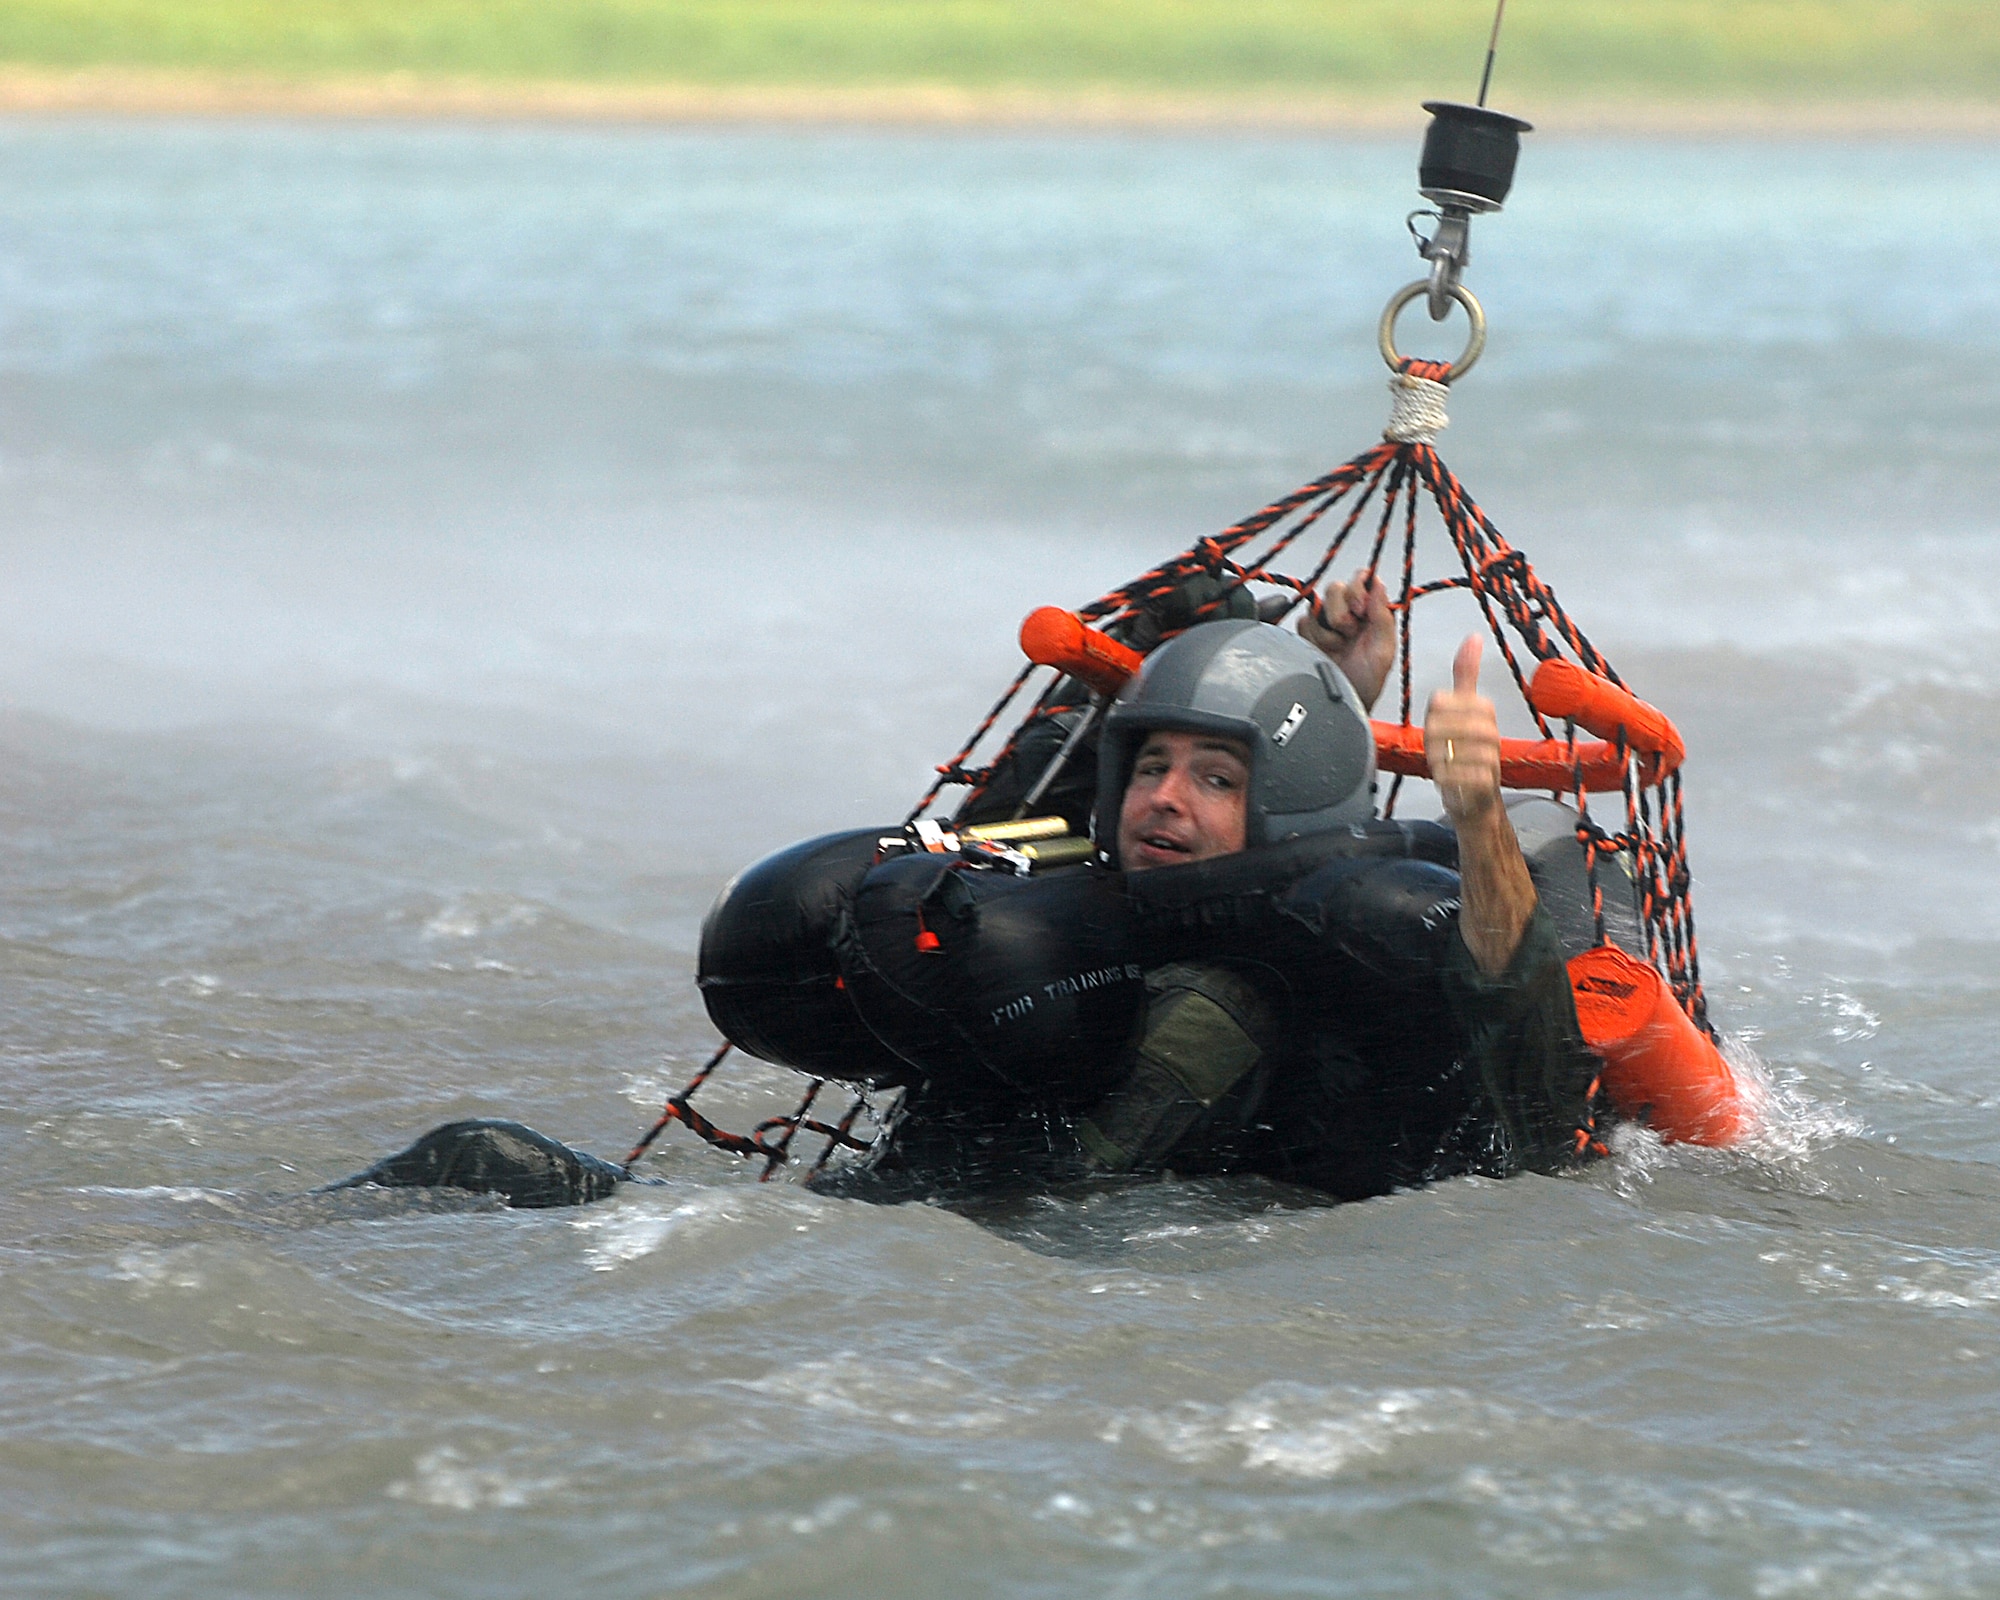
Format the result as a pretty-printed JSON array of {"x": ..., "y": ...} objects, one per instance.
[{"x": 1659, "y": 1068}]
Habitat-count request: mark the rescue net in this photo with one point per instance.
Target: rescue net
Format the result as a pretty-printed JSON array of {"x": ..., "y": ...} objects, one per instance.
[{"x": 1383, "y": 502}]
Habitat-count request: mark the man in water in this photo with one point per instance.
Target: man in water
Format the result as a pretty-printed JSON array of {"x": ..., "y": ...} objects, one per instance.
[
  {"x": 1215, "y": 1081},
  {"x": 1212, "y": 1082}
]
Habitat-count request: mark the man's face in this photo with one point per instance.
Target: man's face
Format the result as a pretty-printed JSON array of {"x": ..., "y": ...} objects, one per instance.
[{"x": 1185, "y": 802}]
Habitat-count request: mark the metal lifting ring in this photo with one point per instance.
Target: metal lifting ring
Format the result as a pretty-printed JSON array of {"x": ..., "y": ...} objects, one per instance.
[{"x": 1475, "y": 341}]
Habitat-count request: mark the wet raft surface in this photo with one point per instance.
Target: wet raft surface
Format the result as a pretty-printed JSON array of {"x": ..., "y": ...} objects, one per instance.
[{"x": 433, "y": 564}]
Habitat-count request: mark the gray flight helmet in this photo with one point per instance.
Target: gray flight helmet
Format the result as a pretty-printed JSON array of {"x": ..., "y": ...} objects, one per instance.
[{"x": 1312, "y": 754}]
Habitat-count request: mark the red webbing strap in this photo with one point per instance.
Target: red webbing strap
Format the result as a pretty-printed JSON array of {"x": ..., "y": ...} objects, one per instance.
[
  {"x": 755, "y": 1143},
  {"x": 678, "y": 1110}
]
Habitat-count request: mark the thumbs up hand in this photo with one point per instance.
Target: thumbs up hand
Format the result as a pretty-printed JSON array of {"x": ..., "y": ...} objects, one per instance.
[{"x": 1462, "y": 741}]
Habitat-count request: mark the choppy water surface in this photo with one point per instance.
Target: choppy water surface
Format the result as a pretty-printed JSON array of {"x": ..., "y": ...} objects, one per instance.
[{"x": 434, "y": 559}]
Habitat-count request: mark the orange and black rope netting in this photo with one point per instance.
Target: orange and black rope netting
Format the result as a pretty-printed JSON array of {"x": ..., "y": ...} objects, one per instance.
[{"x": 1372, "y": 502}]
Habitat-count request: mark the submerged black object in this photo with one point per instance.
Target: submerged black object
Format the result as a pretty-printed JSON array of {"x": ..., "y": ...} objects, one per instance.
[
  {"x": 1469, "y": 155},
  {"x": 489, "y": 1156}
]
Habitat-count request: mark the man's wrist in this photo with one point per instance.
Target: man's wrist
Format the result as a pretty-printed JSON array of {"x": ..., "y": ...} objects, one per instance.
[{"x": 1470, "y": 810}]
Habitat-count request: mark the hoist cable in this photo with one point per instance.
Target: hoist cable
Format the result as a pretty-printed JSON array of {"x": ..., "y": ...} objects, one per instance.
[{"x": 1492, "y": 45}]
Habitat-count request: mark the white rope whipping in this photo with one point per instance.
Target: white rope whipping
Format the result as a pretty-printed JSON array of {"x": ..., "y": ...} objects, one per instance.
[{"x": 1416, "y": 411}]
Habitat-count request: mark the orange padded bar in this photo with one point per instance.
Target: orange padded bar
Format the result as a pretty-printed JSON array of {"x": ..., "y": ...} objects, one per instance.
[
  {"x": 1053, "y": 637},
  {"x": 1524, "y": 763},
  {"x": 1563, "y": 689}
]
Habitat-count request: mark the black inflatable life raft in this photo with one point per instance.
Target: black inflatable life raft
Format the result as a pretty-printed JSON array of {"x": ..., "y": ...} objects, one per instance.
[{"x": 972, "y": 984}]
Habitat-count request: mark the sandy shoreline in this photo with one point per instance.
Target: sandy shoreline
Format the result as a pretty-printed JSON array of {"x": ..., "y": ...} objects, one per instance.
[{"x": 122, "y": 92}]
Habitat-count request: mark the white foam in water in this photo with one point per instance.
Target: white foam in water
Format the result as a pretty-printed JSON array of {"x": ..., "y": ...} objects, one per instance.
[
  {"x": 444, "y": 1478},
  {"x": 180, "y": 1194},
  {"x": 640, "y": 1223},
  {"x": 1787, "y": 1126},
  {"x": 469, "y": 919},
  {"x": 637, "y": 1228},
  {"x": 929, "y": 1397},
  {"x": 1788, "y": 1122},
  {"x": 1301, "y": 1432},
  {"x": 1959, "y": 1290},
  {"x": 156, "y": 1269},
  {"x": 1785, "y": 1545}
]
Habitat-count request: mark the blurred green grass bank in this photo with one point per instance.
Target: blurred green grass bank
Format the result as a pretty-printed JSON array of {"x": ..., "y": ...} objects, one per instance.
[{"x": 1776, "y": 51}]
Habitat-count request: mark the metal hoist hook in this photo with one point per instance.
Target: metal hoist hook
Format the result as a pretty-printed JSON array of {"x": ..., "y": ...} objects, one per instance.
[
  {"x": 1466, "y": 169},
  {"x": 1448, "y": 248}
]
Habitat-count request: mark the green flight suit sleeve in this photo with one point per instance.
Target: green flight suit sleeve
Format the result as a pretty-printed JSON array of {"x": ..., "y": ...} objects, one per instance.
[{"x": 1204, "y": 1033}]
